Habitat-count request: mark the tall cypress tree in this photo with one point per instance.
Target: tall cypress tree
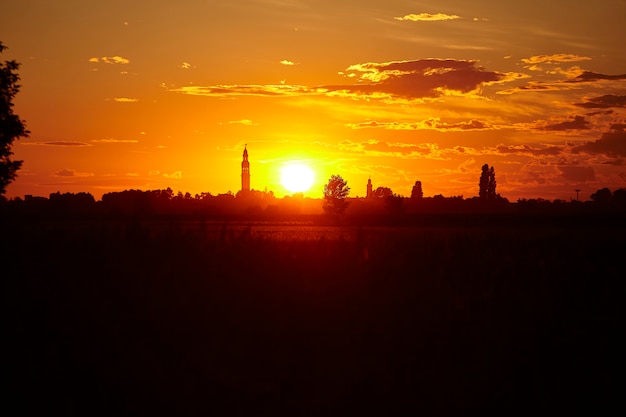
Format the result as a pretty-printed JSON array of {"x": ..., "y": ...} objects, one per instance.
[
  {"x": 491, "y": 186},
  {"x": 487, "y": 183}
]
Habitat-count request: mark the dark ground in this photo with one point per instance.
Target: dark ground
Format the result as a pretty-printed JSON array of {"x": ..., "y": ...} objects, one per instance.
[{"x": 523, "y": 317}]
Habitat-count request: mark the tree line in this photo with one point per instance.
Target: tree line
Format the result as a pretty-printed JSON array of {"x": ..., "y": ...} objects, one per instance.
[
  {"x": 259, "y": 204},
  {"x": 336, "y": 194}
]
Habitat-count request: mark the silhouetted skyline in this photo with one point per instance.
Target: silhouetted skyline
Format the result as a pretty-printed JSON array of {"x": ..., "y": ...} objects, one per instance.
[{"x": 390, "y": 90}]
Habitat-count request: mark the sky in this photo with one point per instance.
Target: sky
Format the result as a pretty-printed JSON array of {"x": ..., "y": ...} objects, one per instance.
[{"x": 150, "y": 94}]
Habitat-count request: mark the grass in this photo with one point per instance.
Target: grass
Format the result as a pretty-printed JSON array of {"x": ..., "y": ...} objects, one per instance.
[{"x": 199, "y": 318}]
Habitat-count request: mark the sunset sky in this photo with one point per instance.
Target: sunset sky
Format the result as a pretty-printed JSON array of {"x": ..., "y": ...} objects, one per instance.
[{"x": 150, "y": 94}]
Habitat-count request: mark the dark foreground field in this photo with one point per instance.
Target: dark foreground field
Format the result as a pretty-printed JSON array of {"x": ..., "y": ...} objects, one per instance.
[{"x": 188, "y": 318}]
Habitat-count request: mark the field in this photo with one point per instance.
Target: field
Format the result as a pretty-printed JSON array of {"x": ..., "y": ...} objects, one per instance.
[{"x": 443, "y": 316}]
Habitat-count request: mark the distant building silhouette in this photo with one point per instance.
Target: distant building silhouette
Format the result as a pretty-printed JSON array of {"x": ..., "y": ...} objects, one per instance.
[
  {"x": 369, "y": 188},
  {"x": 245, "y": 171}
]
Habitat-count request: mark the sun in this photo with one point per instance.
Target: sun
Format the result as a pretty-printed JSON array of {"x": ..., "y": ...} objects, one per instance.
[{"x": 297, "y": 178}]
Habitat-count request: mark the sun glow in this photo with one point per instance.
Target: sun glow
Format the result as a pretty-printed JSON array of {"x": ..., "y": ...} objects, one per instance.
[{"x": 297, "y": 178}]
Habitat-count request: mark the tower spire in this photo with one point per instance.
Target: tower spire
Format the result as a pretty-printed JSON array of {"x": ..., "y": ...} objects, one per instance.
[{"x": 245, "y": 170}]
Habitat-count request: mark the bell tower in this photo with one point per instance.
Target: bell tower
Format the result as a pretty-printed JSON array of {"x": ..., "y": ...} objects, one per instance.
[
  {"x": 245, "y": 171},
  {"x": 369, "y": 193}
]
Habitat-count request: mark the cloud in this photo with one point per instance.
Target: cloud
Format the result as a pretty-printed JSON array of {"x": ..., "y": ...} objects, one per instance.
[
  {"x": 603, "y": 102},
  {"x": 403, "y": 150},
  {"x": 430, "y": 124},
  {"x": 426, "y": 78},
  {"x": 185, "y": 65},
  {"x": 64, "y": 173},
  {"x": 612, "y": 143},
  {"x": 576, "y": 76},
  {"x": 427, "y": 17},
  {"x": 57, "y": 143},
  {"x": 417, "y": 79},
  {"x": 72, "y": 173},
  {"x": 528, "y": 150},
  {"x": 577, "y": 173},
  {"x": 578, "y": 123},
  {"x": 175, "y": 175},
  {"x": 125, "y": 100},
  {"x": 243, "y": 90},
  {"x": 387, "y": 148},
  {"x": 115, "y": 141},
  {"x": 287, "y": 63},
  {"x": 552, "y": 59},
  {"x": 588, "y": 76},
  {"x": 110, "y": 60},
  {"x": 244, "y": 122},
  {"x": 539, "y": 86}
]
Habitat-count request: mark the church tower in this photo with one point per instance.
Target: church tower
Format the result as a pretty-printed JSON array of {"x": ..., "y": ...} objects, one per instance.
[
  {"x": 369, "y": 188},
  {"x": 245, "y": 171}
]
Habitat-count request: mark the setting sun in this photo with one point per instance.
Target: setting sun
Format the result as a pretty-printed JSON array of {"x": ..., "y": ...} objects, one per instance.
[{"x": 297, "y": 178}]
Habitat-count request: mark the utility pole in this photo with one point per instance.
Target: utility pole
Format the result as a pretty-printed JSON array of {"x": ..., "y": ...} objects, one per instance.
[{"x": 577, "y": 191}]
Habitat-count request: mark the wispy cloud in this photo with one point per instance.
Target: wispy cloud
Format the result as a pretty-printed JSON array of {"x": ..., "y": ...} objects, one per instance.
[
  {"x": 185, "y": 65},
  {"x": 125, "y": 100},
  {"x": 72, "y": 173},
  {"x": 574, "y": 82},
  {"x": 603, "y": 102},
  {"x": 577, "y": 123},
  {"x": 115, "y": 141},
  {"x": 612, "y": 143},
  {"x": 57, "y": 143},
  {"x": 243, "y": 90},
  {"x": 427, "y": 17},
  {"x": 428, "y": 124},
  {"x": 245, "y": 122},
  {"x": 375, "y": 147},
  {"x": 553, "y": 59},
  {"x": 529, "y": 150},
  {"x": 588, "y": 76},
  {"x": 427, "y": 78},
  {"x": 419, "y": 78},
  {"x": 287, "y": 62},
  {"x": 110, "y": 60},
  {"x": 551, "y": 64},
  {"x": 577, "y": 173},
  {"x": 174, "y": 175}
]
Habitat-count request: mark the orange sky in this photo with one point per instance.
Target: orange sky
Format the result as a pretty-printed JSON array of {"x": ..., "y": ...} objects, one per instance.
[{"x": 148, "y": 94}]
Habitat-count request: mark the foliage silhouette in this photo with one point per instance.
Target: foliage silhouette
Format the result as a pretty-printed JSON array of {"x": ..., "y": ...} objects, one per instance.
[
  {"x": 487, "y": 184},
  {"x": 335, "y": 195},
  {"x": 416, "y": 191},
  {"x": 602, "y": 196},
  {"x": 382, "y": 192},
  {"x": 11, "y": 127}
]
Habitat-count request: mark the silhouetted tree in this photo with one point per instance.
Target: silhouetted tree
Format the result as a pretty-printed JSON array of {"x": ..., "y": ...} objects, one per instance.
[
  {"x": 69, "y": 204},
  {"x": 602, "y": 196},
  {"x": 382, "y": 192},
  {"x": 619, "y": 196},
  {"x": 487, "y": 184},
  {"x": 416, "y": 192},
  {"x": 394, "y": 203},
  {"x": 11, "y": 127},
  {"x": 335, "y": 194}
]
